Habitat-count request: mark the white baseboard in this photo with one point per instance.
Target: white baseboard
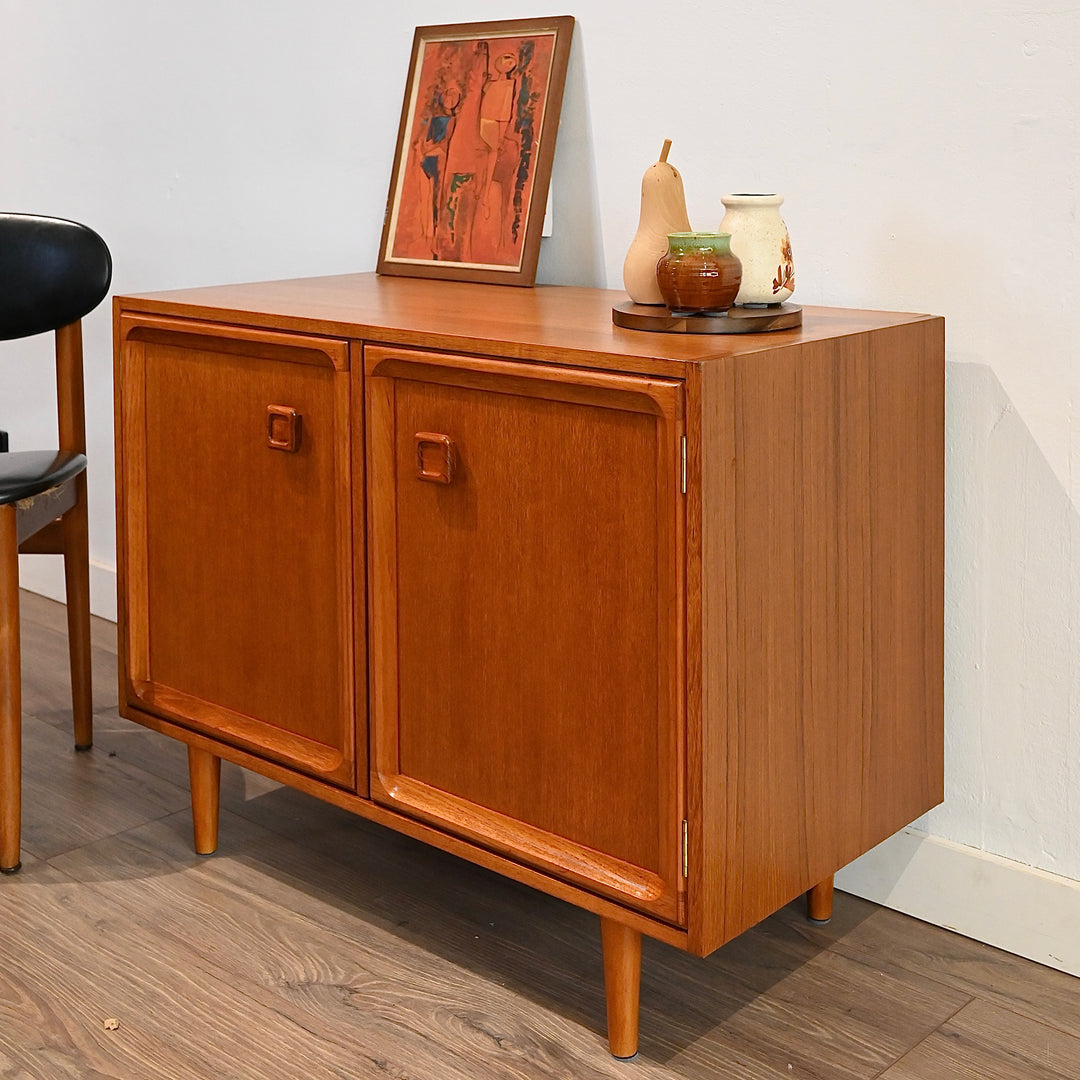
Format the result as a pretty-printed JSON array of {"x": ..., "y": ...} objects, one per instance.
[
  {"x": 1006, "y": 904},
  {"x": 44, "y": 574}
]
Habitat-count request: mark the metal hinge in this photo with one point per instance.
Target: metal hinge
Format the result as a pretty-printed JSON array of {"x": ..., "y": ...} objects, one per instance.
[
  {"x": 684, "y": 464},
  {"x": 685, "y": 850}
]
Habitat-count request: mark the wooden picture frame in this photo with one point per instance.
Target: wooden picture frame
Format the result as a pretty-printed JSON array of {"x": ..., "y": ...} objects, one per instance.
[{"x": 475, "y": 145}]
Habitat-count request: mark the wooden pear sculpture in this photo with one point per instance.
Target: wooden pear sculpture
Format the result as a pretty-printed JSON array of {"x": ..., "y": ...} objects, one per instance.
[{"x": 663, "y": 211}]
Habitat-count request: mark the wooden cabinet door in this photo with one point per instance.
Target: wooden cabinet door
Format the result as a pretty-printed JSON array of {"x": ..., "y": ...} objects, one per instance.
[
  {"x": 526, "y": 570},
  {"x": 236, "y": 534}
]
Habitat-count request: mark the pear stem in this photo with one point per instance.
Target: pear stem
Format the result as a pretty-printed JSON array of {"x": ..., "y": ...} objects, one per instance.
[{"x": 664, "y": 152}]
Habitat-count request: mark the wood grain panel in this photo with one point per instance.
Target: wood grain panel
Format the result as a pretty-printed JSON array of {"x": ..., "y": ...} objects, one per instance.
[
  {"x": 711, "y": 631},
  {"x": 181, "y": 1014},
  {"x": 767, "y": 785},
  {"x": 240, "y": 557},
  {"x": 547, "y": 324},
  {"x": 44, "y": 635},
  {"x": 830, "y": 685},
  {"x": 535, "y": 602},
  {"x": 906, "y": 735},
  {"x": 984, "y": 1040},
  {"x": 436, "y": 975},
  {"x": 895, "y": 942},
  {"x": 768, "y": 1004},
  {"x": 97, "y": 797}
]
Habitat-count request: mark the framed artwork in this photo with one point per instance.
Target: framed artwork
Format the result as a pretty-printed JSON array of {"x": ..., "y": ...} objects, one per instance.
[{"x": 473, "y": 162}]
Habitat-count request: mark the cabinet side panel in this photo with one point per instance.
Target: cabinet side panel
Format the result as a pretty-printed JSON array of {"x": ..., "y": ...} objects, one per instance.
[
  {"x": 905, "y": 740},
  {"x": 711, "y": 627},
  {"x": 835, "y": 739},
  {"x": 766, "y": 779}
]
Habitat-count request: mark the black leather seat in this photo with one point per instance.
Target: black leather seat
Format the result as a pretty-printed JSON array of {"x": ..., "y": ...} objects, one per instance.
[
  {"x": 52, "y": 273},
  {"x": 32, "y": 472}
]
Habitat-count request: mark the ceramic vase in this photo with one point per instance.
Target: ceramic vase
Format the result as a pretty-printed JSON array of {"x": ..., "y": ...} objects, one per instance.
[
  {"x": 699, "y": 275},
  {"x": 663, "y": 211},
  {"x": 760, "y": 239}
]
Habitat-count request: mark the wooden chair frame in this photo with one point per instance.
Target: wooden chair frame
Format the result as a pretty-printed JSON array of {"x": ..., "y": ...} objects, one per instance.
[{"x": 51, "y": 521}]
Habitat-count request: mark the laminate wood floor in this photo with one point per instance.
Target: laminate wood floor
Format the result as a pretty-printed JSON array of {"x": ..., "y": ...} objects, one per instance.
[{"x": 316, "y": 945}]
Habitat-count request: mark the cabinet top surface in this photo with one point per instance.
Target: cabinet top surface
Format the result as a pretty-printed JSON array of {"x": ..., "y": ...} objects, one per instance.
[{"x": 557, "y": 323}]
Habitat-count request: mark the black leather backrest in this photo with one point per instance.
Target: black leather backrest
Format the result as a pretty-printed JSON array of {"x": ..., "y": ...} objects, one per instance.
[{"x": 52, "y": 272}]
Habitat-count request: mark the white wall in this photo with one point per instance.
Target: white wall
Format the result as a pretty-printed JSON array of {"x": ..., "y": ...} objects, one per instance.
[{"x": 929, "y": 153}]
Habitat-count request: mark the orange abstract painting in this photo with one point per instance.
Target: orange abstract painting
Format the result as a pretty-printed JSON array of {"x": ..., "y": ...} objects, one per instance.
[{"x": 479, "y": 112}]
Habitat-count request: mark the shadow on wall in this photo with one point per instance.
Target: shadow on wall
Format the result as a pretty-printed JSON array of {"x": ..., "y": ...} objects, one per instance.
[
  {"x": 574, "y": 254},
  {"x": 1012, "y": 636}
]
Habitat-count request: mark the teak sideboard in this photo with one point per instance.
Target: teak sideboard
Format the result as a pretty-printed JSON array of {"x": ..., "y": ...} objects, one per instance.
[{"x": 650, "y": 622}]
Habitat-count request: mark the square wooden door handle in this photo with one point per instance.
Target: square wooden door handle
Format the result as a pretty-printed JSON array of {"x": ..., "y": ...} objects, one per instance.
[
  {"x": 282, "y": 428},
  {"x": 435, "y": 457}
]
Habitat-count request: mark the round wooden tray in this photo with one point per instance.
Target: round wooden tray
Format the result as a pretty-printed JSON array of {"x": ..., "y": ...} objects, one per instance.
[{"x": 735, "y": 320}]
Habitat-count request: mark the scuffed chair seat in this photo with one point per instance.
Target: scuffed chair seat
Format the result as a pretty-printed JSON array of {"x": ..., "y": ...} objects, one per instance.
[{"x": 28, "y": 473}]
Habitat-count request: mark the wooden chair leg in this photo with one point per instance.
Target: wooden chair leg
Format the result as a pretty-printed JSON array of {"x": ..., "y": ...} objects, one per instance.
[
  {"x": 204, "y": 772},
  {"x": 10, "y": 695},
  {"x": 622, "y": 985},
  {"x": 819, "y": 901},
  {"x": 77, "y": 577}
]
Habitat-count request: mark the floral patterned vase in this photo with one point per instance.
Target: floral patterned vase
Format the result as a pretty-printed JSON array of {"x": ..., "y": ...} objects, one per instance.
[{"x": 760, "y": 239}]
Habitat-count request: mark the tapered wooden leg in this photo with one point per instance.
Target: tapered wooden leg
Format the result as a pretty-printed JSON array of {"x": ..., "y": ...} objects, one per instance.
[
  {"x": 819, "y": 901},
  {"x": 10, "y": 695},
  {"x": 622, "y": 985},
  {"x": 204, "y": 772},
  {"x": 77, "y": 579}
]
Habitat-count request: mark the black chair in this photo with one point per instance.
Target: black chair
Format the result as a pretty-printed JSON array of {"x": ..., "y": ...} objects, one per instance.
[{"x": 52, "y": 273}]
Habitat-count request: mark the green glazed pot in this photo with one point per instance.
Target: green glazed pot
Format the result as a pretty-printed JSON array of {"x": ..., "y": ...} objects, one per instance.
[{"x": 699, "y": 275}]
